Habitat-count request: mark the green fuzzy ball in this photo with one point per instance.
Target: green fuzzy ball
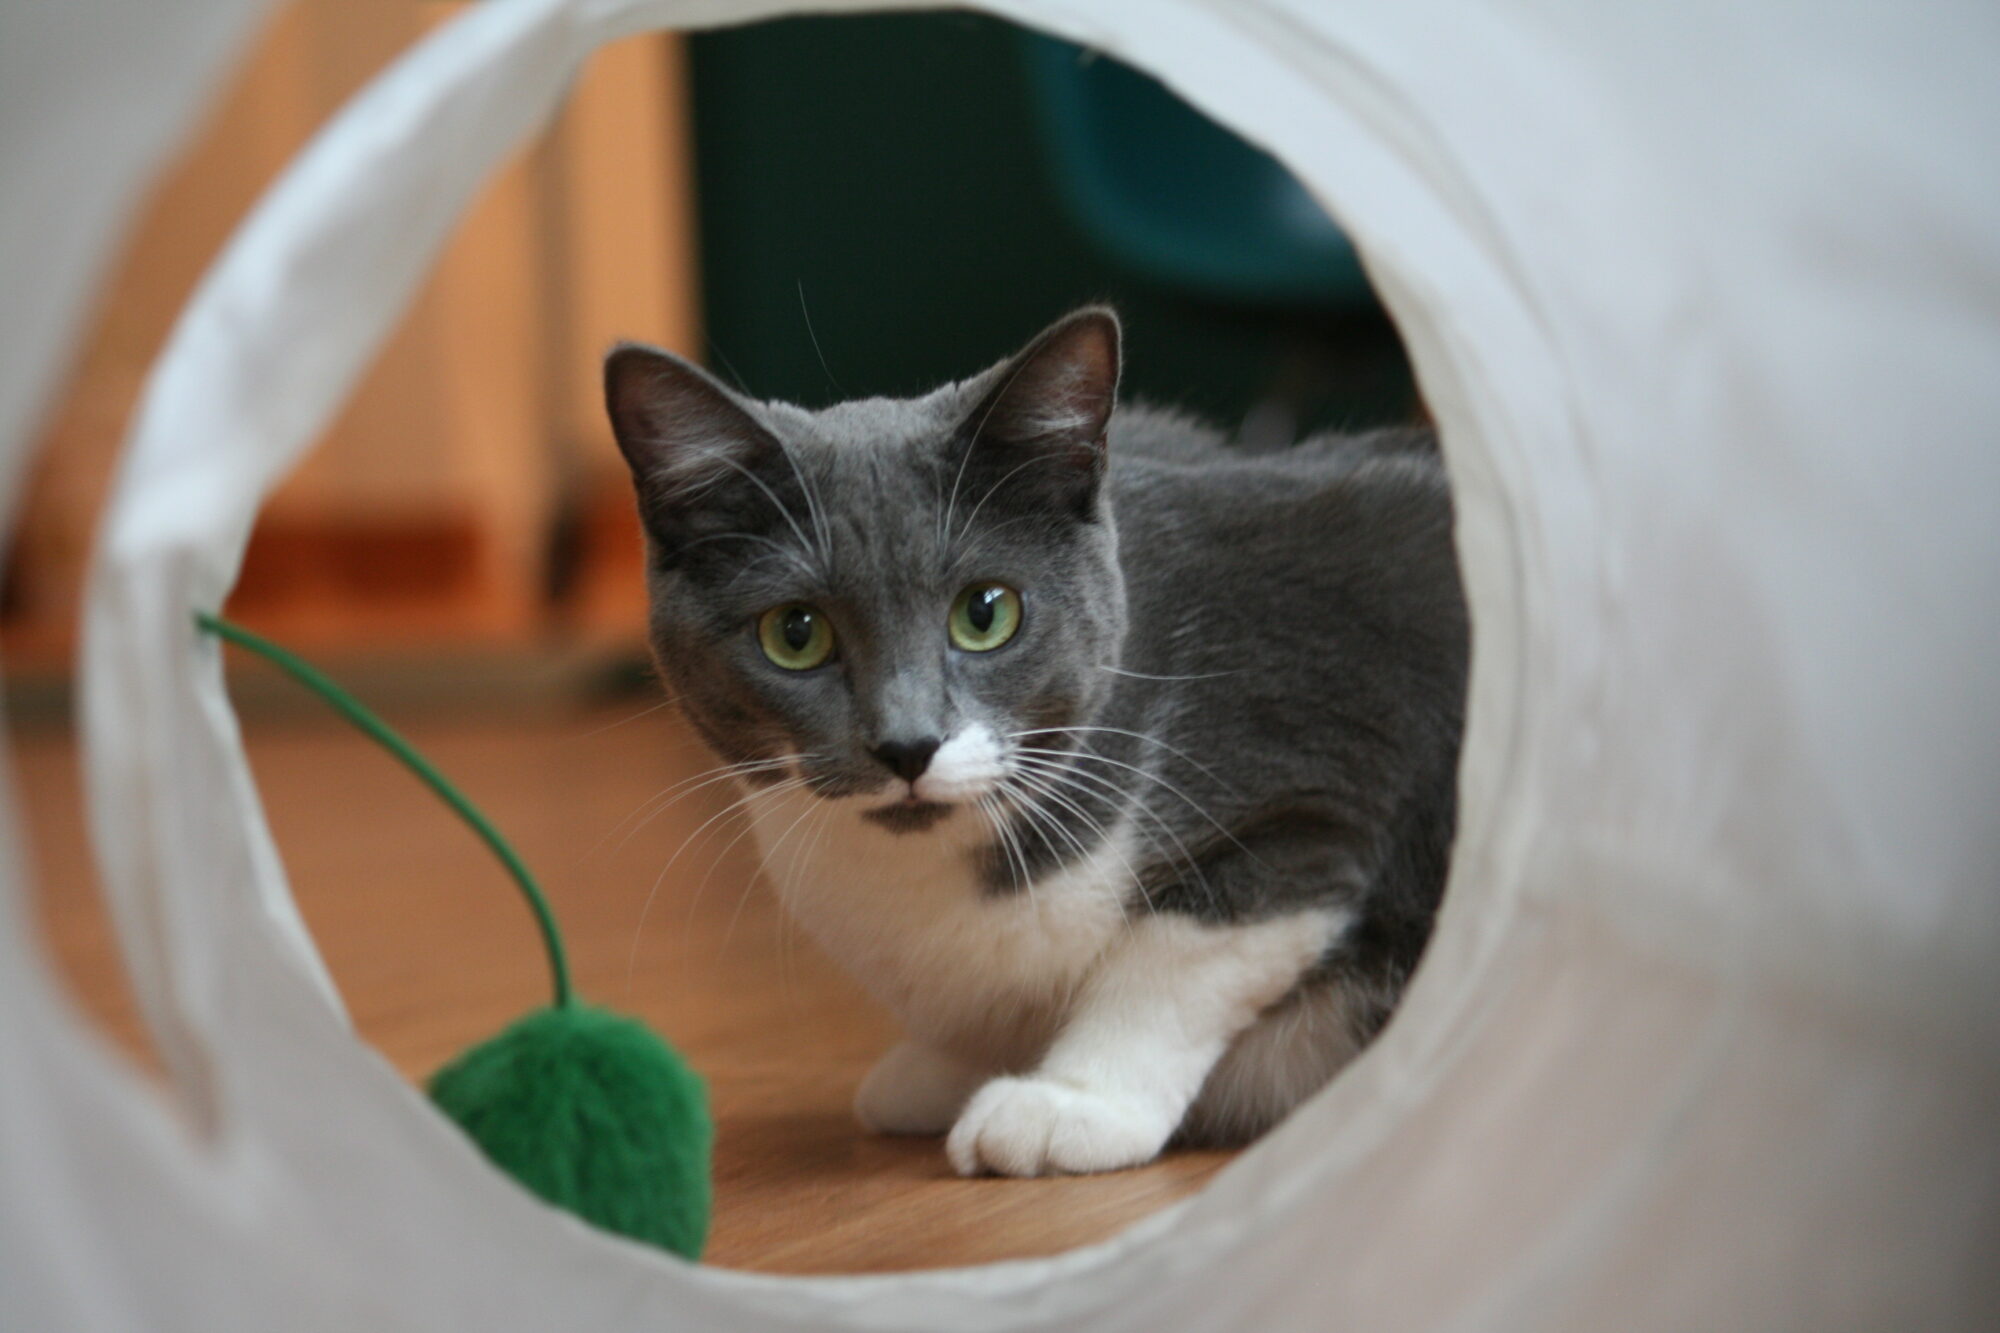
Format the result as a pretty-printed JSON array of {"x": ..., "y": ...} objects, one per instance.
[{"x": 593, "y": 1112}]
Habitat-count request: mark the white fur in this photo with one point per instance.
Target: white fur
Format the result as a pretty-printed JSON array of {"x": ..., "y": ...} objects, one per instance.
[
  {"x": 1159, "y": 1009},
  {"x": 980, "y": 975},
  {"x": 1091, "y": 1033},
  {"x": 968, "y": 765}
]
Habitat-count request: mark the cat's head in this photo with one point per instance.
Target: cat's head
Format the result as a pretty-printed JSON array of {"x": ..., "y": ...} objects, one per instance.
[{"x": 884, "y": 596}]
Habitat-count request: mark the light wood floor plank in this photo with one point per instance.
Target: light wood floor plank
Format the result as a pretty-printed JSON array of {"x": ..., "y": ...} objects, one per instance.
[{"x": 433, "y": 951}]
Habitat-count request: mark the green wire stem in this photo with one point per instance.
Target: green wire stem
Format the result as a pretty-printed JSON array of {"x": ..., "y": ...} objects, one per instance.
[{"x": 310, "y": 676}]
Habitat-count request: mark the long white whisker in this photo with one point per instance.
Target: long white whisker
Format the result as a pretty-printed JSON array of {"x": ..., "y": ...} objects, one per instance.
[
  {"x": 1023, "y": 787},
  {"x": 1052, "y": 781},
  {"x": 1044, "y": 784},
  {"x": 815, "y": 338},
  {"x": 786, "y": 926},
  {"x": 1192, "y": 804},
  {"x": 1017, "y": 864},
  {"x": 784, "y": 510},
  {"x": 1039, "y": 820},
  {"x": 613, "y": 726},
  {"x": 646, "y": 907},
  {"x": 978, "y": 432},
  {"x": 994, "y": 489},
  {"x": 705, "y": 778},
  {"x": 1183, "y": 755},
  {"x": 1067, "y": 773},
  {"x": 777, "y": 546},
  {"x": 1147, "y": 675},
  {"x": 678, "y": 797},
  {"x": 764, "y": 858},
  {"x": 749, "y": 825}
]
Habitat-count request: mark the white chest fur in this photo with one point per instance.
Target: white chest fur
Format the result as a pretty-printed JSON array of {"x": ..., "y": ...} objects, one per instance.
[{"x": 987, "y": 974}]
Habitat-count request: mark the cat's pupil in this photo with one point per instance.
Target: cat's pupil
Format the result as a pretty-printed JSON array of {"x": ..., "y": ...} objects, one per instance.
[
  {"x": 980, "y": 609},
  {"x": 797, "y": 629}
]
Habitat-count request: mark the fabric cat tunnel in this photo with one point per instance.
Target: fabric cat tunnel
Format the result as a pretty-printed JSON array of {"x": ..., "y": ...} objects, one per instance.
[{"x": 1704, "y": 301}]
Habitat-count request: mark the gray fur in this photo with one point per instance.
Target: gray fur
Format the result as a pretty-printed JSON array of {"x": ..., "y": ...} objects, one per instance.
[{"x": 1263, "y": 657}]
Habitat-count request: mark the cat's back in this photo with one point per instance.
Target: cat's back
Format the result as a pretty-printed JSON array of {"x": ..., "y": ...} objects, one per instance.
[
  {"x": 1296, "y": 618},
  {"x": 1365, "y": 516},
  {"x": 1297, "y": 634}
]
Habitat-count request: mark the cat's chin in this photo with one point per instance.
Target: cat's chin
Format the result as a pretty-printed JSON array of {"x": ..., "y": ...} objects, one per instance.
[{"x": 909, "y": 816}]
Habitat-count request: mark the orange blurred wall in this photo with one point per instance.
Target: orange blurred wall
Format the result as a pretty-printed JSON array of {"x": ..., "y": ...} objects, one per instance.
[{"x": 472, "y": 465}]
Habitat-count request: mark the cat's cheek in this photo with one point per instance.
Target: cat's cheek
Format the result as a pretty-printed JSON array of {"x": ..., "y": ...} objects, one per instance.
[{"x": 1038, "y": 1127}]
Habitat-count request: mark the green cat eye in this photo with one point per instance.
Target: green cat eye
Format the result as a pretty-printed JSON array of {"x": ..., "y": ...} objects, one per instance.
[
  {"x": 984, "y": 616},
  {"x": 795, "y": 636}
]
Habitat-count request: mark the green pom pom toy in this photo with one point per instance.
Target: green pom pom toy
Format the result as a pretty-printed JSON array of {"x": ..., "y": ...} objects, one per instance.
[
  {"x": 592, "y": 1111},
  {"x": 587, "y": 1108}
]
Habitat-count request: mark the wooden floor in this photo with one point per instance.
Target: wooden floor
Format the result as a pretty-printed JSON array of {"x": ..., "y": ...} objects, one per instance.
[{"x": 433, "y": 951}]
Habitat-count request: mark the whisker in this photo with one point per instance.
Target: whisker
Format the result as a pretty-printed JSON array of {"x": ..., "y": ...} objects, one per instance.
[
  {"x": 714, "y": 775},
  {"x": 1125, "y": 805},
  {"x": 1066, "y": 773},
  {"x": 784, "y": 510},
  {"x": 787, "y": 926},
  {"x": 1049, "y": 790},
  {"x": 944, "y": 529},
  {"x": 831, "y": 378},
  {"x": 1147, "y": 675},
  {"x": 632, "y": 957},
  {"x": 1040, "y": 821},
  {"x": 779, "y": 547},
  {"x": 994, "y": 489},
  {"x": 764, "y": 857},
  {"x": 1017, "y": 864},
  {"x": 613, "y": 726},
  {"x": 1183, "y": 755},
  {"x": 1194, "y": 805},
  {"x": 1022, "y": 788},
  {"x": 749, "y": 825},
  {"x": 1025, "y": 788}
]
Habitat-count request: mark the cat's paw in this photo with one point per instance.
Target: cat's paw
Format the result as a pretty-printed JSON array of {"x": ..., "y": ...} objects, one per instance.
[
  {"x": 914, "y": 1090},
  {"x": 1037, "y": 1127}
]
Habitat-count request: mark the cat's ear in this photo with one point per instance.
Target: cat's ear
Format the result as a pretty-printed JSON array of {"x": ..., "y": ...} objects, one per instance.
[
  {"x": 688, "y": 441},
  {"x": 1047, "y": 408}
]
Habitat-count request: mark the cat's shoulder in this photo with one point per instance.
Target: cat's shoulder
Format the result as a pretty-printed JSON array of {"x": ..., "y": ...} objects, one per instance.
[
  {"x": 1157, "y": 450},
  {"x": 1148, "y": 433},
  {"x": 1144, "y": 432}
]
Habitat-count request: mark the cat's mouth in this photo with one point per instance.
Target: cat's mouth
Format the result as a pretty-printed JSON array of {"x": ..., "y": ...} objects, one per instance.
[
  {"x": 909, "y": 813},
  {"x": 963, "y": 768}
]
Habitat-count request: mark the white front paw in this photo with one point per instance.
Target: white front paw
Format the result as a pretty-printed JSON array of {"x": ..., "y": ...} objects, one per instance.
[
  {"x": 913, "y": 1090},
  {"x": 1035, "y": 1127}
]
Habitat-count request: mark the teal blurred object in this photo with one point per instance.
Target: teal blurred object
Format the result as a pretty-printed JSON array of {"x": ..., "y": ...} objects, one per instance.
[
  {"x": 1166, "y": 193},
  {"x": 880, "y": 212}
]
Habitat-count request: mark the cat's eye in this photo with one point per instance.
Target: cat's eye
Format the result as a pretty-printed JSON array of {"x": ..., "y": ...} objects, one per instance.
[
  {"x": 984, "y": 616},
  {"x": 795, "y": 636}
]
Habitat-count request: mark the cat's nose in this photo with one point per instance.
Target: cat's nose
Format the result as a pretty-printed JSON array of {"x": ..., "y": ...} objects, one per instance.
[{"x": 907, "y": 759}]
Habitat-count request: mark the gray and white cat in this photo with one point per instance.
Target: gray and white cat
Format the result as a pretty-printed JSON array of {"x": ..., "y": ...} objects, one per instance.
[{"x": 1120, "y": 765}]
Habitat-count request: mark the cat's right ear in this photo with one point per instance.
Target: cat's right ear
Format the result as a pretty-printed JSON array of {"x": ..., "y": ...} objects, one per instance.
[{"x": 686, "y": 439}]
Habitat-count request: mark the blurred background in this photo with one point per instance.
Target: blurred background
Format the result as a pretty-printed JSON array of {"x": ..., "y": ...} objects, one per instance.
[{"x": 816, "y": 209}]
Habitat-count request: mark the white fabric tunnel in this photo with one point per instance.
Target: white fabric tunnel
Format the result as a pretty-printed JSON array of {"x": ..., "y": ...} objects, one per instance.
[{"x": 1706, "y": 300}]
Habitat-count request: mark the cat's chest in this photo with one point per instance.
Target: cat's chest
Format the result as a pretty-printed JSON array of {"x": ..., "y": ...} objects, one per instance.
[{"x": 909, "y": 916}]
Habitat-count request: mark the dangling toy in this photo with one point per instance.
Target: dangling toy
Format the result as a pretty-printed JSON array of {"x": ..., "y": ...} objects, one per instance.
[{"x": 587, "y": 1108}]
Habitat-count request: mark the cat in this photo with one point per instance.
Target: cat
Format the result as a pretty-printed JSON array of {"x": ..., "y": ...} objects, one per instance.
[{"x": 1119, "y": 764}]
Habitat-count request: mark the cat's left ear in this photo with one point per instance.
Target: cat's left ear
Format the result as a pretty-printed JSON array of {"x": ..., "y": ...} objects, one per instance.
[
  {"x": 1042, "y": 422},
  {"x": 701, "y": 460}
]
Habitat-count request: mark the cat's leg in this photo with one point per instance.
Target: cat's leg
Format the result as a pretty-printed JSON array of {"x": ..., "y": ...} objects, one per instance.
[
  {"x": 1156, "y": 1013},
  {"x": 915, "y": 1089}
]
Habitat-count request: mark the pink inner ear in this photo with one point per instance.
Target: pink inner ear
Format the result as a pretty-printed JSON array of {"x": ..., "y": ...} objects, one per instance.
[
  {"x": 674, "y": 425},
  {"x": 1067, "y": 386}
]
